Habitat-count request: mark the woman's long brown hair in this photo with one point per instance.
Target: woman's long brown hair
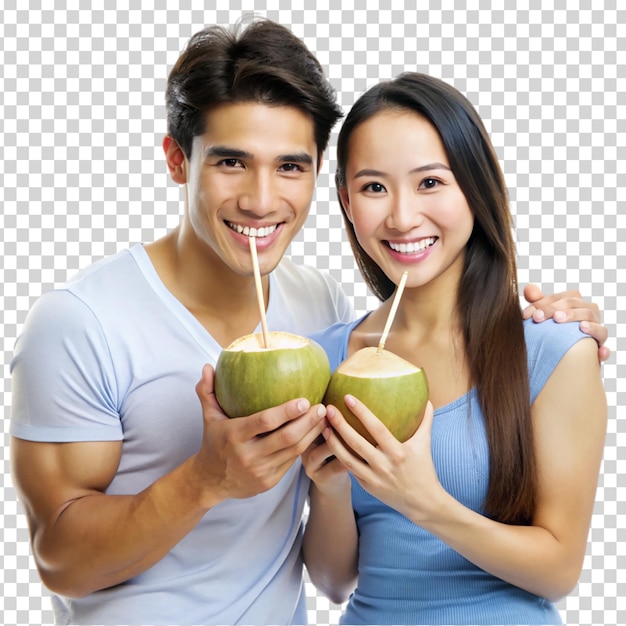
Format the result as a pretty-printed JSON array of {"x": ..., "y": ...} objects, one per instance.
[{"x": 488, "y": 298}]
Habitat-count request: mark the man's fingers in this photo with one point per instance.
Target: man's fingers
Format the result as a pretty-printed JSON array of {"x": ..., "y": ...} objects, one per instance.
[
  {"x": 599, "y": 332},
  {"x": 269, "y": 420},
  {"x": 603, "y": 353},
  {"x": 532, "y": 293},
  {"x": 566, "y": 306},
  {"x": 576, "y": 311},
  {"x": 205, "y": 386},
  {"x": 205, "y": 390}
]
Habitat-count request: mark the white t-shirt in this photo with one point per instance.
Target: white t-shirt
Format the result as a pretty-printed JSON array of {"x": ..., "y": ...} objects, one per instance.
[{"x": 113, "y": 355}]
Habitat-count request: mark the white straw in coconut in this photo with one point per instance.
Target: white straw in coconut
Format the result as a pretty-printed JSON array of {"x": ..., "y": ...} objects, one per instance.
[
  {"x": 392, "y": 312},
  {"x": 259, "y": 290}
]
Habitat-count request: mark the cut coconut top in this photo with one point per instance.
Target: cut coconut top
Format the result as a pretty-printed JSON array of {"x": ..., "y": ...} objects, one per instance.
[
  {"x": 279, "y": 340},
  {"x": 370, "y": 363}
]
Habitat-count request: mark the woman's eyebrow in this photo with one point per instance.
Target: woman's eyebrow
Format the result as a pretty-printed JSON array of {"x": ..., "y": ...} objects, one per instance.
[{"x": 422, "y": 168}]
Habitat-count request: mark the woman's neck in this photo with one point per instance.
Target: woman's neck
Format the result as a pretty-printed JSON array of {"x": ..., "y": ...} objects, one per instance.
[{"x": 427, "y": 332}]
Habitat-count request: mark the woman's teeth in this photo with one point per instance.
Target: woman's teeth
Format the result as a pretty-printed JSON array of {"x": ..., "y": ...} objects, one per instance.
[{"x": 412, "y": 246}]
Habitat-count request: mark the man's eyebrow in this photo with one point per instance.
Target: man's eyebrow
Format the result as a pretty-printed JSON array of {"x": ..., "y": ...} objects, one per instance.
[
  {"x": 224, "y": 152},
  {"x": 301, "y": 157},
  {"x": 422, "y": 168}
]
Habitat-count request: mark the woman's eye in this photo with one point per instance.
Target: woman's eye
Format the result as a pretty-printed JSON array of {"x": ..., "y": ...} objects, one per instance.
[
  {"x": 374, "y": 187},
  {"x": 429, "y": 183}
]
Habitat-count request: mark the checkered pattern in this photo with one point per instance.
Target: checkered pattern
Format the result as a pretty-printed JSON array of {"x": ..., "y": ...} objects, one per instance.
[{"x": 82, "y": 118}]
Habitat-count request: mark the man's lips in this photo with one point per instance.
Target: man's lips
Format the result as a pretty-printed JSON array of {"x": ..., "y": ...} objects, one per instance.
[{"x": 251, "y": 231}]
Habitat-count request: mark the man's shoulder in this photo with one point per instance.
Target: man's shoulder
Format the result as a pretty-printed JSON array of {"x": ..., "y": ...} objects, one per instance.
[
  {"x": 307, "y": 284},
  {"x": 304, "y": 299},
  {"x": 106, "y": 268},
  {"x": 288, "y": 271},
  {"x": 95, "y": 288}
]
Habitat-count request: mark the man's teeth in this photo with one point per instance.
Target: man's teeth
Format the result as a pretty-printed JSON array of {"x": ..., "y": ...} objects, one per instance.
[
  {"x": 253, "y": 232},
  {"x": 412, "y": 246}
]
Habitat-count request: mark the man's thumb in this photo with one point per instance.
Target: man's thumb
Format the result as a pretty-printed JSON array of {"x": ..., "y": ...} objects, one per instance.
[{"x": 205, "y": 389}]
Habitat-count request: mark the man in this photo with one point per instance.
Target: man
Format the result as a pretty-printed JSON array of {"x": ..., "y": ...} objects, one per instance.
[{"x": 145, "y": 505}]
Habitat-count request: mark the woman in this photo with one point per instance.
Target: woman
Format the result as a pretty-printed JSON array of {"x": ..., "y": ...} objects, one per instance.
[{"x": 482, "y": 516}]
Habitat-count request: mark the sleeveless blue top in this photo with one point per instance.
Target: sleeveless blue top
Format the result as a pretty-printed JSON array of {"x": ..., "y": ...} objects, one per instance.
[{"x": 406, "y": 574}]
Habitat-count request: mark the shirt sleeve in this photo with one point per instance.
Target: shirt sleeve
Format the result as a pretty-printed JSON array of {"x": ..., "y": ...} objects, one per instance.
[
  {"x": 63, "y": 381},
  {"x": 343, "y": 304},
  {"x": 547, "y": 343}
]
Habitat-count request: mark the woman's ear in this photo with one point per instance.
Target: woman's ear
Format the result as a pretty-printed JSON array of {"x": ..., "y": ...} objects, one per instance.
[
  {"x": 344, "y": 198},
  {"x": 175, "y": 159}
]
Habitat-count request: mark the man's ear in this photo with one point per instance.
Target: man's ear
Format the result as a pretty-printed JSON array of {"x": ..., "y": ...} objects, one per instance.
[
  {"x": 344, "y": 198},
  {"x": 175, "y": 159}
]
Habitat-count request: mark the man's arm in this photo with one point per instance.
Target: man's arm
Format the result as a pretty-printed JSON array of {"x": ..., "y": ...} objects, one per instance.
[{"x": 84, "y": 540}]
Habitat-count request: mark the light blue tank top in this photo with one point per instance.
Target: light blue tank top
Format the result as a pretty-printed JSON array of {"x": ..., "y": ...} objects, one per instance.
[{"x": 406, "y": 574}]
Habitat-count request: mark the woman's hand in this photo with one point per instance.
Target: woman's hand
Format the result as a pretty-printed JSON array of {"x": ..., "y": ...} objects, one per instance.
[{"x": 402, "y": 475}]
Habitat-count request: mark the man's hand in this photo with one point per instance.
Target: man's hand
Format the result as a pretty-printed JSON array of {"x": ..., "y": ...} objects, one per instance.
[
  {"x": 245, "y": 456},
  {"x": 568, "y": 306}
]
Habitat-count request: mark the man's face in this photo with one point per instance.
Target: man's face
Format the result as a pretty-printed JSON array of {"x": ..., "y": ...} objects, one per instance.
[{"x": 252, "y": 173}]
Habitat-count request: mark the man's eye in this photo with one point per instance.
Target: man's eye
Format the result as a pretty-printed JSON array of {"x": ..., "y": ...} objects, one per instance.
[
  {"x": 230, "y": 162},
  {"x": 290, "y": 167}
]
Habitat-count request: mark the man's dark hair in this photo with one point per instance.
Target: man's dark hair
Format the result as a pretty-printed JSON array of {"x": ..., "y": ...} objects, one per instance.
[{"x": 263, "y": 62}]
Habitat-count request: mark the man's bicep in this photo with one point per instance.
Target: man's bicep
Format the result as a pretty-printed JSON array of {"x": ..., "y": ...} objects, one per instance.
[{"x": 49, "y": 476}]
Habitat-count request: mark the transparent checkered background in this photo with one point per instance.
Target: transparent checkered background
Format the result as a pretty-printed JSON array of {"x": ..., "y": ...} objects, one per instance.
[{"x": 82, "y": 118}]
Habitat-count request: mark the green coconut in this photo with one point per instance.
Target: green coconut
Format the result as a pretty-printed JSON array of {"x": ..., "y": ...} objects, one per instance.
[
  {"x": 250, "y": 377},
  {"x": 394, "y": 390}
]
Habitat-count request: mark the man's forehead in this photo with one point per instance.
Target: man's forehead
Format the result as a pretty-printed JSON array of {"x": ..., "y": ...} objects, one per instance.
[{"x": 254, "y": 130}]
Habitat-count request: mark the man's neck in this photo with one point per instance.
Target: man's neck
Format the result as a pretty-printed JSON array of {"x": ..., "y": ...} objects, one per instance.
[{"x": 224, "y": 302}]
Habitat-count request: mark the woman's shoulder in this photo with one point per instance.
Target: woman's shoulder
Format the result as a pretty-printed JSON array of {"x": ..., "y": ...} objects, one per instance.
[
  {"x": 550, "y": 335},
  {"x": 546, "y": 344}
]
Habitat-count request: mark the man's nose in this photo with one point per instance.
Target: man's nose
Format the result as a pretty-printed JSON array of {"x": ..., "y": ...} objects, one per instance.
[{"x": 259, "y": 195}]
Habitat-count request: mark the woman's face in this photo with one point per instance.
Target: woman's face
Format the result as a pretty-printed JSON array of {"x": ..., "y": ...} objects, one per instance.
[{"x": 406, "y": 206}]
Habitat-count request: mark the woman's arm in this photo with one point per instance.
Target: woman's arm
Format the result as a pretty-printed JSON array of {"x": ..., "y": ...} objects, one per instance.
[
  {"x": 330, "y": 545},
  {"x": 569, "y": 416}
]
